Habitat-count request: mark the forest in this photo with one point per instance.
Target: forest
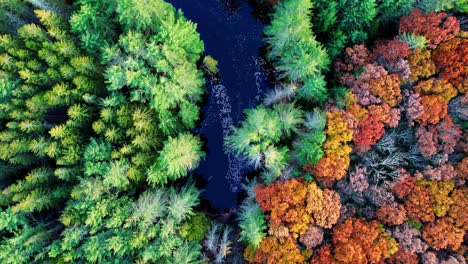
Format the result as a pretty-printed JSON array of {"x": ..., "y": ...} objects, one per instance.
[{"x": 356, "y": 154}]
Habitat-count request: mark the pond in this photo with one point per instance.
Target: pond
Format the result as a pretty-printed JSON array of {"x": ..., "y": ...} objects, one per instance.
[{"x": 232, "y": 36}]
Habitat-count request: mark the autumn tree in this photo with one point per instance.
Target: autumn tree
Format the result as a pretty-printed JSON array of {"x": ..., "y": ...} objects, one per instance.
[
  {"x": 351, "y": 245},
  {"x": 435, "y": 27},
  {"x": 450, "y": 60},
  {"x": 441, "y": 234}
]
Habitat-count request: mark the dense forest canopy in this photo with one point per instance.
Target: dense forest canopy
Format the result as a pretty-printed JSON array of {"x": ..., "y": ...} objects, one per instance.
[{"x": 358, "y": 154}]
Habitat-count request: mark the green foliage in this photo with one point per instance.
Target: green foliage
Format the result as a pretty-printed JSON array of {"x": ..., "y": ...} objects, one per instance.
[
  {"x": 442, "y": 5},
  {"x": 252, "y": 222},
  {"x": 195, "y": 227},
  {"x": 292, "y": 48},
  {"x": 178, "y": 155},
  {"x": 342, "y": 23},
  {"x": 84, "y": 123},
  {"x": 210, "y": 65},
  {"x": 119, "y": 228},
  {"x": 392, "y": 10},
  {"x": 414, "y": 41},
  {"x": 290, "y": 117},
  {"x": 309, "y": 148}
]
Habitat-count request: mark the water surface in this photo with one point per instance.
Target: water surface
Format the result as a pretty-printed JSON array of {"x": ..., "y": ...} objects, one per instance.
[{"x": 232, "y": 36}]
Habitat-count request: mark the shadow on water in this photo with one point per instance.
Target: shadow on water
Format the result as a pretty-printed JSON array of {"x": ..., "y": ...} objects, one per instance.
[{"x": 232, "y": 36}]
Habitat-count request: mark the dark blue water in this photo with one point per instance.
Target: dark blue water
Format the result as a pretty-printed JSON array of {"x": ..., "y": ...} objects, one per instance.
[{"x": 232, "y": 36}]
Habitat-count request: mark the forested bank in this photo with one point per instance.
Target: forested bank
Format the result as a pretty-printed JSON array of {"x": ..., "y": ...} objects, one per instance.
[
  {"x": 97, "y": 109},
  {"x": 360, "y": 151}
]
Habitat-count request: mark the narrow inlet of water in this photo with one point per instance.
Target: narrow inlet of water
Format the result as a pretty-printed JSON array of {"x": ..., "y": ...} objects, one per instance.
[{"x": 232, "y": 36}]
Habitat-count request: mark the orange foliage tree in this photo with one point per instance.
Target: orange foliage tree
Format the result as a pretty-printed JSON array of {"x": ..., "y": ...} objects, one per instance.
[
  {"x": 458, "y": 210},
  {"x": 392, "y": 214},
  {"x": 442, "y": 234},
  {"x": 294, "y": 205},
  {"x": 436, "y": 87},
  {"x": 421, "y": 65},
  {"x": 434, "y": 109},
  {"x": 359, "y": 241},
  {"x": 451, "y": 60},
  {"x": 273, "y": 250},
  {"x": 387, "y": 88},
  {"x": 285, "y": 202},
  {"x": 419, "y": 205},
  {"x": 462, "y": 169},
  {"x": 335, "y": 163}
]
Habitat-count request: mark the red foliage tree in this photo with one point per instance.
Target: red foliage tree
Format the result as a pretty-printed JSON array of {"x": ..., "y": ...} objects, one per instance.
[
  {"x": 404, "y": 185},
  {"x": 323, "y": 256},
  {"x": 435, "y": 27},
  {"x": 391, "y": 50},
  {"x": 403, "y": 257},
  {"x": 354, "y": 59},
  {"x": 370, "y": 130}
]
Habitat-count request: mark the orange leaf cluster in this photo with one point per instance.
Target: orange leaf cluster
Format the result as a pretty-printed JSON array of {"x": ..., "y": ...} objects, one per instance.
[
  {"x": 429, "y": 199},
  {"x": 403, "y": 257},
  {"x": 451, "y": 60},
  {"x": 389, "y": 116},
  {"x": 286, "y": 203},
  {"x": 323, "y": 256},
  {"x": 442, "y": 234},
  {"x": 294, "y": 205},
  {"x": 433, "y": 26},
  {"x": 458, "y": 210},
  {"x": 335, "y": 163},
  {"x": 421, "y": 65},
  {"x": 436, "y": 87},
  {"x": 387, "y": 88},
  {"x": 327, "y": 215},
  {"x": 462, "y": 169},
  {"x": 359, "y": 241},
  {"x": 419, "y": 205},
  {"x": 440, "y": 192},
  {"x": 392, "y": 214},
  {"x": 273, "y": 250},
  {"x": 357, "y": 111},
  {"x": 434, "y": 109}
]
